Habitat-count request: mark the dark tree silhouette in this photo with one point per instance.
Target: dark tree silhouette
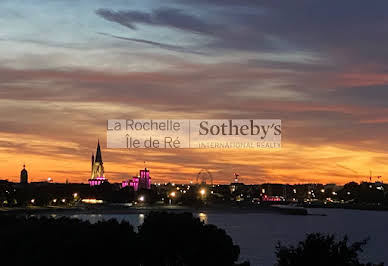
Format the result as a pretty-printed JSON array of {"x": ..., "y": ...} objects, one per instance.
[
  {"x": 65, "y": 241},
  {"x": 163, "y": 240},
  {"x": 321, "y": 250},
  {"x": 181, "y": 239}
]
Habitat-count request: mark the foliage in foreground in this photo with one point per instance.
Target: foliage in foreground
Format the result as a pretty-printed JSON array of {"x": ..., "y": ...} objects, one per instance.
[
  {"x": 321, "y": 250},
  {"x": 163, "y": 240}
]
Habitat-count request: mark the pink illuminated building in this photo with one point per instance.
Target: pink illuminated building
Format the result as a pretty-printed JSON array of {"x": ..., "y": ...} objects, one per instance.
[
  {"x": 272, "y": 198},
  {"x": 142, "y": 181}
]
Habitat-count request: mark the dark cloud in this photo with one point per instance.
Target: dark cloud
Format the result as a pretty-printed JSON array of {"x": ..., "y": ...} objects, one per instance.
[
  {"x": 169, "y": 17},
  {"x": 369, "y": 96},
  {"x": 345, "y": 32}
]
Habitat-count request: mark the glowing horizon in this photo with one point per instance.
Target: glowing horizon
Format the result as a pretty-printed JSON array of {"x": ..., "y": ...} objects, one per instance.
[{"x": 64, "y": 74}]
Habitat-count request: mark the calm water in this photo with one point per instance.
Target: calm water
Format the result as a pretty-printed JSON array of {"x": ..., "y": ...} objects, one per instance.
[{"x": 258, "y": 233}]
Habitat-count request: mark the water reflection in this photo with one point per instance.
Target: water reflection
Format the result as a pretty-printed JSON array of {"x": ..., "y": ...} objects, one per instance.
[
  {"x": 141, "y": 218},
  {"x": 92, "y": 218},
  {"x": 203, "y": 217}
]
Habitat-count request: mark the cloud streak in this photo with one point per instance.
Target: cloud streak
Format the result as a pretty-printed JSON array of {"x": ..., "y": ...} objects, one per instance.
[{"x": 157, "y": 44}]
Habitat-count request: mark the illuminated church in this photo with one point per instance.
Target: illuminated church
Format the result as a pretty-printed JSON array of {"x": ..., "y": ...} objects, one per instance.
[{"x": 97, "y": 171}]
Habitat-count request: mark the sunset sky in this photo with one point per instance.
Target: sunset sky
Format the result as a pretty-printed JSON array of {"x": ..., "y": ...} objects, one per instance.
[{"x": 320, "y": 66}]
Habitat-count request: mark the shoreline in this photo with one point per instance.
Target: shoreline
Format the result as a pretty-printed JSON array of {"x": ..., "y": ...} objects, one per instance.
[
  {"x": 109, "y": 209},
  {"x": 122, "y": 209}
]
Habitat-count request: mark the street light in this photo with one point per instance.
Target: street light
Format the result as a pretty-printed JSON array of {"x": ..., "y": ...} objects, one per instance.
[
  {"x": 202, "y": 191},
  {"x": 172, "y": 195},
  {"x": 141, "y": 198}
]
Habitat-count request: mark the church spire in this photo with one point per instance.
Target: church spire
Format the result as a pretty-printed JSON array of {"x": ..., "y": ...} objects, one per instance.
[
  {"x": 97, "y": 174},
  {"x": 98, "y": 153}
]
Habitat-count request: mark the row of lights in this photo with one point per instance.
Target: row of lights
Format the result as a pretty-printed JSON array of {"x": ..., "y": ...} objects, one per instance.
[
  {"x": 54, "y": 200},
  {"x": 75, "y": 195},
  {"x": 202, "y": 192}
]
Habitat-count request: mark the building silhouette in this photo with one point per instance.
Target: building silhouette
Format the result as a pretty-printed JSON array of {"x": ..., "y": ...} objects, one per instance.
[{"x": 24, "y": 175}]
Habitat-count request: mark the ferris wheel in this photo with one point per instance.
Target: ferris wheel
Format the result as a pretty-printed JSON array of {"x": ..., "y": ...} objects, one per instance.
[{"x": 204, "y": 176}]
